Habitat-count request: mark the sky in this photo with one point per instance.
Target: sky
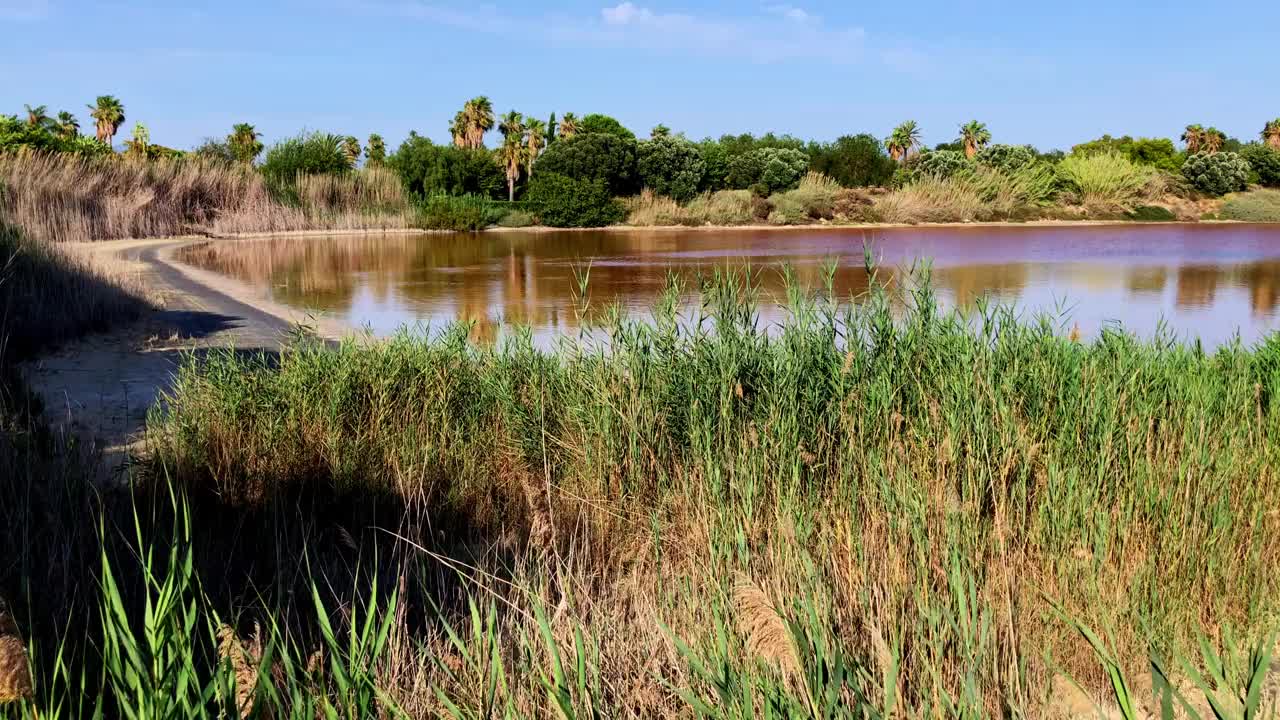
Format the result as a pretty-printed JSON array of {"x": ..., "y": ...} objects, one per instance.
[{"x": 1049, "y": 74}]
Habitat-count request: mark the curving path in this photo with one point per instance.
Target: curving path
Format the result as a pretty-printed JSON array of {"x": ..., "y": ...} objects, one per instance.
[{"x": 100, "y": 388}]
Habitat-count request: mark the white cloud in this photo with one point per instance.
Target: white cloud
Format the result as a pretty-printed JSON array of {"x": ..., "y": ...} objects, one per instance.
[
  {"x": 24, "y": 9},
  {"x": 793, "y": 13}
]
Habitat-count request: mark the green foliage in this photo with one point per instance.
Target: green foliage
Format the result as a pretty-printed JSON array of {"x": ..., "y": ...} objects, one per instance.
[
  {"x": 1159, "y": 153},
  {"x": 1151, "y": 213},
  {"x": 1006, "y": 158},
  {"x": 429, "y": 169},
  {"x": 775, "y": 168},
  {"x": 853, "y": 161},
  {"x": 1108, "y": 179},
  {"x": 715, "y": 160},
  {"x": 597, "y": 123},
  {"x": 1217, "y": 173},
  {"x": 943, "y": 164},
  {"x": 562, "y": 201},
  {"x": 315, "y": 153},
  {"x": 243, "y": 143},
  {"x": 215, "y": 150},
  {"x": 375, "y": 151},
  {"x": 594, "y": 156},
  {"x": 517, "y": 219},
  {"x": 1264, "y": 160},
  {"x": 1256, "y": 206},
  {"x": 16, "y": 135},
  {"x": 670, "y": 166},
  {"x": 461, "y": 213}
]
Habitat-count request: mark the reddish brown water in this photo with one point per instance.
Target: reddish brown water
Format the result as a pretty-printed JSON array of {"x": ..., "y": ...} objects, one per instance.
[{"x": 1206, "y": 281}]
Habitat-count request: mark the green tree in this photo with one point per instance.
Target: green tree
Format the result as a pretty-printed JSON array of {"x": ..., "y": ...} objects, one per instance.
[
  {"x": 552, "y": 127},
  {"x": 428, "y": 169},
  {"x": 715, "y": 159},
  {"x": 1006, "y": 158},
  {"x": 591, "y": 156},
  {"x": 569, "y": 126},
  {"x": 108, "y": 115},
  {"x": 670, "y": 166},
  {"x": 1264, "y": 160},
  {"x": 513, "y": 152},
  {"x": 660, "y": 130},
  {"x": 942, "y": 164},
  {"x": 974, "y": 136},
  {"x": 375, "y": 151},
  {"x": 38, "y": 116},
  {"x": 561, "y": 201},
  {"x": 139, "y": 145},
  {"x": 67, "y": 126},
  {"x": 775, "y": 168},
  {"x": 1155, "y": 152},
  {"x": 596, "y": 123},
  {"x": 1271, "y": 133},
  {"x": 535, "y": 141},
  {"x": 903, "y": 140},
  {"x": 852, "y": 161},
  {"x": 244, "y": 144}
]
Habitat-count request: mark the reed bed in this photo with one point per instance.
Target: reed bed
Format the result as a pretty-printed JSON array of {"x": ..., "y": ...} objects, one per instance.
[{"x": 59, "y": 197}]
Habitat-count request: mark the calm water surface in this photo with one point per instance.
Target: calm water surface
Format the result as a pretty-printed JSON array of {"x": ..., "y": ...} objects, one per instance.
[{"x": 1206, "y": 281}]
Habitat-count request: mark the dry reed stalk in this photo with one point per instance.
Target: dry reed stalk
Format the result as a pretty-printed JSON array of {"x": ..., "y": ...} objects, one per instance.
[
  {"x": 244, "y": 664},
  {"x": 763, "y": 629}
]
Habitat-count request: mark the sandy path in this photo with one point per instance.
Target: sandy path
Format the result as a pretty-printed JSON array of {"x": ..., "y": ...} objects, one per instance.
[{"x": 100, "y": 388}]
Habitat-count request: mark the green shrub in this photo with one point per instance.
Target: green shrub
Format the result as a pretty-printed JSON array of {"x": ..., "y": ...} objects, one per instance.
[
  {"x": 813, "y": 199},
  {"x": 1006, "y": 158},
  {"x": 429, "y": 169},
  {"x": 1255, "y": 206},
  {"x": 1013, "y": 194},
  {"x": 315, "y": 153},
  {"x": 1103, "y": 179},
  {"x": 1151, "y": 213},
  {"x": 517, "y": 219},
  {"x": 853, "y": 161},
  {"x": 590, "y": 157},
  {"x": 1158, "y": 153},
  {"x": 670, "y": 166},
  {"x": 775, "y": 168},
  {"x": 565, "y": 202},
  {"x": 1217, "y": 173},
  {"x": 466, "y": 213},
  {"x": 16, "y": 134},
  {"x": 1265, "y": 163},
  {"x": 943, "y": 164}
]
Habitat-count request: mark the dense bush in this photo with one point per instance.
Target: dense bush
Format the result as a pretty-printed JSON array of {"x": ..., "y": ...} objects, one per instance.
[
  {"x": 607, "y": 158},
  {"x": 1265, "y": 163},
  {"x": 715, "y": 160},
  {"x": 563, "y": 201},
  {"x": 16, "y": 134},
  {"x": 1256, "y": 206},
  {"x": 1151, "y": 213},
  {"x": 517, "y": 219},
  {"x": 1217, "y": 173},
  {"x": 775, "y": 168},
  {"x": 853, "y": 161},
  {"x": 1159, "y": 153},
  {"x": 597, "y": 123},
  {"x": 465, "y": 213},
  {"x": 943, "y": 164},
  {"x": 315, "y": 153},
  {"x": 429, "y": 169},
  {"x": 670, "y": 166},
  {"x": 1006, "y": 158},
  {"x": 1104, "y": 179}
]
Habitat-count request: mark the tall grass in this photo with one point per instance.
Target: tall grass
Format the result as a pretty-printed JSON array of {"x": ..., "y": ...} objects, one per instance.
[
  {"x": 931, "y": 199},
  {"x": 1105, "y": 180},
  {"x": 1254, "y": 206},
  {"x": 813, "y": 199},
  {"x": 714, "y": 516},
  {"x": 59, "y": 197}
]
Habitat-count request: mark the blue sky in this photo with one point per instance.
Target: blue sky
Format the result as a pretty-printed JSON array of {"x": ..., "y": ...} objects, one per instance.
[{"x": 1051, "y": 74}]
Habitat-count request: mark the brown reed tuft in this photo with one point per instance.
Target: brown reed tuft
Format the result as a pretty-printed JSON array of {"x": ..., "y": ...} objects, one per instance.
[
  {"x": 763, "y": 628},
  {"x": 15, "y": 673},
  {"x": 244, "y": 664}
]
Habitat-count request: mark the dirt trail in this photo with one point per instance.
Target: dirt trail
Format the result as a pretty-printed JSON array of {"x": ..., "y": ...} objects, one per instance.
[{"x": 101, "y": 388}]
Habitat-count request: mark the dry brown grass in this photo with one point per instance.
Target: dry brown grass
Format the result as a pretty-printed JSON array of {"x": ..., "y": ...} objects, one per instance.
[
  {"x": 15, "y": 675},
  {"x": 69, "y": 198},
  {"x": 932, "y": 200}
]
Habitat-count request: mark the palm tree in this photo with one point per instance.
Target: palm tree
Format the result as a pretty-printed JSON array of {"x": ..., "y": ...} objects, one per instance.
[
  {"x": 974, "y": 136},
  {"x": 244, "y": 143},
  {"x": 458, "y": 129},
  {"x": 535, "y": 140},
  {"x": 660, "y": 130},
  {"x": 903, "y": 139},
  {"x": 67, "y": 125},
  {"x": 569, "y": 126},
  {"x": 351, "y": 149},
  {"x": 513, "y": 152},
  {"x": 38, "y": 116},
  {"x": 139, "y": 146},
  {"x": 1193, "y": 136},
  {"x": 375, "y": 152},
  {"x": 108, "y": 113},
  {"x": 1213, "y": 140},
  {"x": 1271, "y": 133},
  {"x": 477, "y": 115}
]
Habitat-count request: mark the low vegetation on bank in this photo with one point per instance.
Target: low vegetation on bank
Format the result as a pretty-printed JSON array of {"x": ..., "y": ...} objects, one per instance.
[{"x": 858, "y": 511}]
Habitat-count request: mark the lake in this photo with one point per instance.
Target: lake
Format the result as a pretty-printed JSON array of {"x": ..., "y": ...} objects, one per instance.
[{"x": 1208, "y": 281}]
